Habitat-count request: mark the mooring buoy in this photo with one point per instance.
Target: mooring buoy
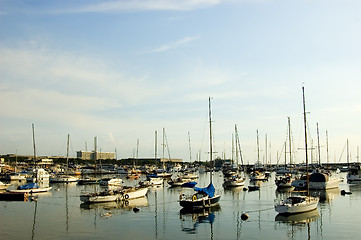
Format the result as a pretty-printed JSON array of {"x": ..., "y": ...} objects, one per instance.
[
  {"x": 135, "y": 209},
  {"x": 244, "y": 216}
]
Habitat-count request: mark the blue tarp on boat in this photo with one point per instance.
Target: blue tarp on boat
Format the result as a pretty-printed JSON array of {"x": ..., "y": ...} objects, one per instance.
[
  {"x": 210, "y": 190},
  {"x": 28, "y": 186}
]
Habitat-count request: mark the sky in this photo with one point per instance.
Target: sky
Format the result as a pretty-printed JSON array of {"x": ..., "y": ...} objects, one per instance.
[{"x": 122, "y": 70}]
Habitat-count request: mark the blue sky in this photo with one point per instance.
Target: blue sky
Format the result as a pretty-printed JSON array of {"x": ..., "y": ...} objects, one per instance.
[{"x": 121, "y": 70}]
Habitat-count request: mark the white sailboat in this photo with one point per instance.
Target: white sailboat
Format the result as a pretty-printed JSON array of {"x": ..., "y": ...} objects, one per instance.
[
  {"x": 286, "y": 180},
  {"x": 320, "y": 179},
  {"x": 354, "y": 173},
  {"x": 298, "y": 204},
  {"x": 61, "y": 178},
  {"x": 235, "y": 180},
  {"x": 34, "y": 187},
  {"x": 110, "y": 195}
]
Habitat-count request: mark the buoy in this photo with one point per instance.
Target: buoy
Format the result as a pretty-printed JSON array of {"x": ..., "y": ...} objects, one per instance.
[
  {"x": 343, "y": 192},
  {"x": 244, "y": 216},
  {"x": 135, "y": 209}
]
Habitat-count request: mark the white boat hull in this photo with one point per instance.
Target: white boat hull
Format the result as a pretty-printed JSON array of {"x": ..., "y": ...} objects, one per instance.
[
  {"x": 33, "y": 190},
  {"x": 332, "y": 183},
  {"x": 99, "y": 199},
  {"x": 234, "y": 183},
  {"x": 63, "y": 179},
  {"x": 127, "y": 194},
  {"x": 288, "y": 208},
  {"x": 137, "y": 193}
]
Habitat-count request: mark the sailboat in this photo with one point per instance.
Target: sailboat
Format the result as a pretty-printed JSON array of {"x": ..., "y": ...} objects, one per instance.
[
  {"x": 153, "y": 180},
  {"x": 322, "y": 180},
  {"x": 39, "y": 174},
  {"x": 286, "y": 180},
  {"x": 235, "y": 180},
  {"x": 257, "y": 175},
  {"x": 163, "y": 172},
  {"x": 299, "y": 204},
  {"x": 64, "y": 178},
  {"x": 203, "y": 197}
]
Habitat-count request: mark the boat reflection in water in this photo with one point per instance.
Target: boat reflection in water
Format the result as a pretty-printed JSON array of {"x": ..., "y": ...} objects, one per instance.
[
  {"x": 124, "y": 204},
  {"x": 326, "y": 195},
  {"x": 298, "y": 219},
  {"x": 191, "y": 218}
]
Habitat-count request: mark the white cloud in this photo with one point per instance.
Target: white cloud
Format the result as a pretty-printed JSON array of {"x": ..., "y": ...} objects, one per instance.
[
  {"x": 147, "y": 5},
  {"x": 174, "y": 45}
]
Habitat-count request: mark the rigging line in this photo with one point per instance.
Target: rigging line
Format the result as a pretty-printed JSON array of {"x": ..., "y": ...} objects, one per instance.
[
  {"x": 204, "y": 133},
  {"x": 266, "y": 209},
  {"x": 342, "y": 152}
]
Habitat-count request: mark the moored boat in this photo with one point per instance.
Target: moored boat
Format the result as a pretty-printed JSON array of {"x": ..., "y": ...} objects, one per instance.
[
  {"x": 30, "y": 188},
  {"x": 177, "y": 182},
  {"x": 111, "y": 182},
  {"x": 323, "y": 181},
  {"x": 296, "y": 204},
  {"x": 203, "y": 198},
  {"x": 124, "y": 193},
  {"x": 63, "y": 179},
  {"x": 234, "y": 181}
]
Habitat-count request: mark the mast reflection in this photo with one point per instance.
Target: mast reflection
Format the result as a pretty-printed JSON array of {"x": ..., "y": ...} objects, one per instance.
[{"x": 191, "y": 218}]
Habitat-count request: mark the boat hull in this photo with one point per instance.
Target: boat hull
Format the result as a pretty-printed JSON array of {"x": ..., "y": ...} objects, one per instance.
[
  {"x": 200, "y": 203},
  {"x": 34, "y": 190},
  {"x": 309, "y": 205},
  {"x": 63, "y": 179},
  {"x": 332, "y": 183},
  {"x": 234, "y": 183},
  {"x": 99, "y": 199},
  {"x": 132, "y": 194},
  {"x": 107, "y": 197}
]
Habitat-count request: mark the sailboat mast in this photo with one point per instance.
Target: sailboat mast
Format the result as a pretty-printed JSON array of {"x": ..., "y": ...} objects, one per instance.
[
  {"x": 210, "y": 137},
  {"x": 235, "y": 129},
  {"x": 258, "y": 161},
  {"x": 305, "y": 125},
  {"x": 155, "y": 145},
  {"x": 328, "y": 163},
  {"x": 190, "y": 149},
  {"x": 318, "y": 146},
  {"x": 289, "y": 139},
  {"x": 67, "y": 156},
  {"x": 232, "y": 158},
  {"x": 34, "y": 144},
  {"x": 238, "y": 144}
]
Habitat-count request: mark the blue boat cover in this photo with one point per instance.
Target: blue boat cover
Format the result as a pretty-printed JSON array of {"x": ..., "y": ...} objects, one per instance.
[
  {"x": 189, "y": 184},
  {"x": 152, "y": 176},
  {"x": 208, "y": 190},
  {"x": 28, "y": 186}
]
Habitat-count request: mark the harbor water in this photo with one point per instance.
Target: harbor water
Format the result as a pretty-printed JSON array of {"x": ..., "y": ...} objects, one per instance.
[{"x": 59, "y": 214}]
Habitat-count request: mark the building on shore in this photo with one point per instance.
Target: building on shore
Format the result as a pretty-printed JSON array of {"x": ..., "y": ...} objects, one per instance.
[
  {"x": 85, "y": 155},
  {"x": 151, "y": 161}
]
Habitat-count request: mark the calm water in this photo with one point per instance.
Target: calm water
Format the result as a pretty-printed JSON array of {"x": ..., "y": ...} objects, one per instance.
[{"x": 59, "y": 214}]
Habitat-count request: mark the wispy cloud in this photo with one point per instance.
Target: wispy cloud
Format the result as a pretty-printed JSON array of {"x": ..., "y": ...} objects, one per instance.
[
  {"x": 147, "y": 5},
  {"x": 173, "y": 45}
]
